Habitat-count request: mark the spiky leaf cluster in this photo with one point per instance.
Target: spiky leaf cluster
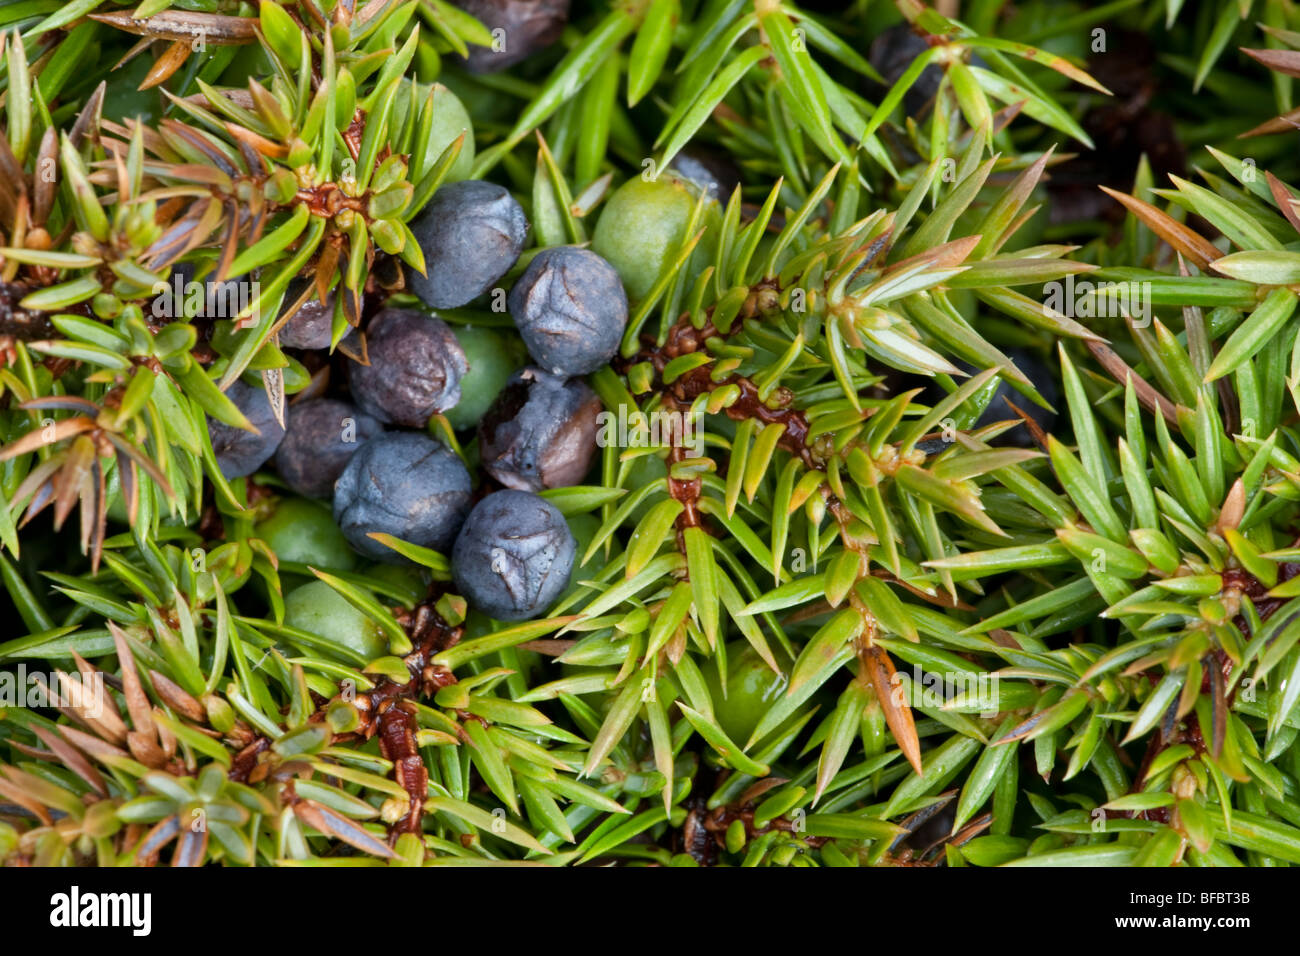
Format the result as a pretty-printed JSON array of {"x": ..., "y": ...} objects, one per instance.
[{"x": 976, "y": 640}]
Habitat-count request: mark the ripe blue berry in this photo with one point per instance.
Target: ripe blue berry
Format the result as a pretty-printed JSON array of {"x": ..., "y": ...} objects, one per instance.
[
  {"x": 311, "y": 326},
  {"x": 571, "y": 310},
  {"x": 714, "y": 173},
  {"x": 185, "y": 297},
  {"x": 404, "y": 484},
  {"x": 892, "y": 53},
  {"x": 321, "y": 435},
  {"x": 414, "y": 371},
  {"x": 526, "y": 26},
  {"x": 239, "y": 452},
  {"x": 513, "y": 556},
  {"x": 471, "y": 233},
  {"x": 998, "y": 409},
  {"x": 540, "y": 432}
]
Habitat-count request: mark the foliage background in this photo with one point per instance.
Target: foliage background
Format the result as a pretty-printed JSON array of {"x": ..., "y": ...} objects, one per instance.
[{"x": 1128, "y": 575}]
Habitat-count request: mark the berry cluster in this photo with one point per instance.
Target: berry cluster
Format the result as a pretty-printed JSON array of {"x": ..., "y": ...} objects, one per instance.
[{"x": 372, "y": 450}]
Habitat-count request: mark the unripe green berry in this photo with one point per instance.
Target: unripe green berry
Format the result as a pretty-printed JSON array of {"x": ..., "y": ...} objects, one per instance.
[
  {"x": 304, "y": 532},
  {"x": 318, "y": 609},
  {"x": 752, "y": 688},
  {"x": 643, "y": 225},
  {"x": 493, "y": 358},
  {"x": 450, "y": 119}
]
